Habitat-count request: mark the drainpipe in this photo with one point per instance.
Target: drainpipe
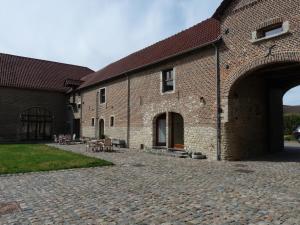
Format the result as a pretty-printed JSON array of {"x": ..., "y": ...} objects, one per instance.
[
  {"x": 218, "y": 99},
  {"x": 128, "y": 110},
  {"x": 97, "y": 115}
]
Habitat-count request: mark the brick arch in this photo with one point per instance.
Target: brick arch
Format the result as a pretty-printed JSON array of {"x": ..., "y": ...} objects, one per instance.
[{"x": 243, "y": 71}]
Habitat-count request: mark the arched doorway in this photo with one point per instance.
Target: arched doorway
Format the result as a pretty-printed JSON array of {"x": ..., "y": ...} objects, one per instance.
[
  {"x": 169, "y": 130},
  {"x": 101, "y": 129},
  {"x": 255, "y": 110},
  {"x": 177, "y": 131},
  {"x": 161, "y": 130},
  {"x": 37, "y": 124}
]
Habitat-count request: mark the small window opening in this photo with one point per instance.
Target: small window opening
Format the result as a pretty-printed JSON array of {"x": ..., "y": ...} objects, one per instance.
[
  {"x": 112, "y": 121},
  {"x": 102, "y": 95},
  {"x": 270, "y": 31},
  {"x": 93, "y": 122},
  {"x": 168, "y": 80}
]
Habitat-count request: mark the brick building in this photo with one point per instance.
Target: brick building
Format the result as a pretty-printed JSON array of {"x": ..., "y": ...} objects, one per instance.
[
  {"x": 33, "y": 102},
  {"x": 216, "y": 87}
]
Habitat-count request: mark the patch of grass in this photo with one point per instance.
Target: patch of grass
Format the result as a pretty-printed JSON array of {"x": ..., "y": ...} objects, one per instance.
[{"x": 22, "y": 158}]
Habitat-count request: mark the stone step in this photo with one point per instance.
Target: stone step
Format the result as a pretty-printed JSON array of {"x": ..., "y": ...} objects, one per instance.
[{"x": 173, "y": 153}]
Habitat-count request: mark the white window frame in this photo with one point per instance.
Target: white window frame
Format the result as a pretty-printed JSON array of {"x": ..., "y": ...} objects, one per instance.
[
  {"x": 101, "y": 103},
  {"x": 256, "y": 38},
  {"x": 161, "y": 82}
]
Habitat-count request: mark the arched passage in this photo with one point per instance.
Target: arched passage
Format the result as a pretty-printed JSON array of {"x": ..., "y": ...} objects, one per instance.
[
  {"x": 37, "y": 124},
  {"x": 255, "y": 121}
]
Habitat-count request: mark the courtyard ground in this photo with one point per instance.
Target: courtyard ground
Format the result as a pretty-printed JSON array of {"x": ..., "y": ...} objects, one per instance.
[{"x": 148, "y": 189}]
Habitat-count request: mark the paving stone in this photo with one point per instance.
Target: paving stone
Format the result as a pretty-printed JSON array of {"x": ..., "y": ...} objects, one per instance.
[{"x": 165, "y": 190}]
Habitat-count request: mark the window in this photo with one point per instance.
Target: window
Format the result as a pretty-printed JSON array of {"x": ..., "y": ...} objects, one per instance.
[
  {"x": 270, "y": 31},
  {"x": 168, "y": 80},
  {"x": 112, "y": 121},
  {"x": 102, "y": 95},
  {"x": 93, "y": 122}
]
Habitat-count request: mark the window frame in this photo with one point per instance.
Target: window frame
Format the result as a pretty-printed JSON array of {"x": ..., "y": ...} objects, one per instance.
[
  {"x": 105, "y": 95},
  {"x": 262, "y": 33},
  {"x": 163, "y": 80}
]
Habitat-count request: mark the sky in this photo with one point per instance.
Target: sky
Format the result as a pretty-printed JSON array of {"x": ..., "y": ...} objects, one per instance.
[{"x": 94, "y": 33}]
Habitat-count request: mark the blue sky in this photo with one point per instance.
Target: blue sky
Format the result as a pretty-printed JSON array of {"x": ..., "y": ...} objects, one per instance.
[{"x": 94, "y": 33}]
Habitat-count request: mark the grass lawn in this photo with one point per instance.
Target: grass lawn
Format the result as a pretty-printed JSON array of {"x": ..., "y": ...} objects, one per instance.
[{"x": 21, "y": 158}]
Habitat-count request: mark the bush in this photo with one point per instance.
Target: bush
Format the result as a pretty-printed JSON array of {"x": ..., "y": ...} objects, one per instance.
[{"x": 290, "y": 121}]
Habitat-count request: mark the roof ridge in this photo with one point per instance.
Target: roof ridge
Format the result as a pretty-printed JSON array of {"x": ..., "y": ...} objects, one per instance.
[
  {"x": 43, "y": 60},
  {"x": 199, "y": 35},
  {"x": 157, "y": 43}
]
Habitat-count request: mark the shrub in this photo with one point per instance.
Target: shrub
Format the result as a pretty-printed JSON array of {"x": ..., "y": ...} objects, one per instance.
[{"x": 290, "y": 121}]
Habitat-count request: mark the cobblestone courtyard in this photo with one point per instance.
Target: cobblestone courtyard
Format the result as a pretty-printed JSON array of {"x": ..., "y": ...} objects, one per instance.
[{"x": 148, "y": 189}]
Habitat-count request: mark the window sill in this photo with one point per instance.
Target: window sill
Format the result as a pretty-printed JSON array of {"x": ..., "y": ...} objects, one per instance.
[
  {"x": 255, "y": 41},
  {"x": 168, "y": 92}
]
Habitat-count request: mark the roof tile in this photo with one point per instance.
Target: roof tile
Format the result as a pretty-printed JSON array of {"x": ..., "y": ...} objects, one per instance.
[
  {"x": 199, "y": 35},
  {"x": 22, "y": 72}
]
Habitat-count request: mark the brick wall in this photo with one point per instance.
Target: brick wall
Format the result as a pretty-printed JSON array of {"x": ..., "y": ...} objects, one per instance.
[
  {"x": 14, "y": 101},
  {"x": 239, "y": 56},
  {"x": 195, "y": 94},
  {"x": 194, "y": 99}
]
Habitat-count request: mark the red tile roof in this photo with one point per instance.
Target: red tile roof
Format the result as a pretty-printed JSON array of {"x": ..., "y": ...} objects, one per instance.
[
  {"x": 22, "y": 72},
  {"x": 197, "y": 36}
]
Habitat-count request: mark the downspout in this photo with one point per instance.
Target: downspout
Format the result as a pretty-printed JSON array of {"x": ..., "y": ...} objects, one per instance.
[
  {"x": 81, "y": 122},
  {"x": 128, "y": 110},
  {"x": 97, "y": 114},
  {"x": 218, "y": 99}
]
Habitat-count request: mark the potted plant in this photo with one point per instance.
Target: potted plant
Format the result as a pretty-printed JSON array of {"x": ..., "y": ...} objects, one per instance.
[{"x": 198, "y": 155}]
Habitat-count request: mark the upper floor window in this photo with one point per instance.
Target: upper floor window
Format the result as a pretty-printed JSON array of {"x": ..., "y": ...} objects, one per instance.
[
  {"x": 112, "y": 121},
  {"x": 102, "y": 95},
  {"x": 168, "y": 81},
  {"x": 271, "y": 31}
]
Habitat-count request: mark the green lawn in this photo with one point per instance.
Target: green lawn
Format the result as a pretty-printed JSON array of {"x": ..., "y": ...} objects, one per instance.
[{"x": 21, "y": 158}]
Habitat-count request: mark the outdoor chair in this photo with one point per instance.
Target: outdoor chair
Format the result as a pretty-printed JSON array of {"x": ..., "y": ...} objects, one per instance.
[
  {"x": 108, "y": 146},
  {"x": 55, "y": 138},
  {"x": 91, "y": 145},
  {"x": 68, "y": 139},
  {"x": 61, "y": 139}
]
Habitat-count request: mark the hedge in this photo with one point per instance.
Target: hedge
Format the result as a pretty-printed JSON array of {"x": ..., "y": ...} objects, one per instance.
[{"x": 290, "y": 121}]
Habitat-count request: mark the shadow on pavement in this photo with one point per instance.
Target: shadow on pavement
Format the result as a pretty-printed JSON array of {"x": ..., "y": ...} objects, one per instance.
[{"x": 291, "y": 153}]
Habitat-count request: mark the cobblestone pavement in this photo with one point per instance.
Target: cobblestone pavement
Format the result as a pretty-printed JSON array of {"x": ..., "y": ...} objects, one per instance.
[{"x": 149, "y": 189}]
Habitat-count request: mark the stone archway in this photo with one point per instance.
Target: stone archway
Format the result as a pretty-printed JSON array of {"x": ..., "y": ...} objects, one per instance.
[{"x": 254, "y": 97}]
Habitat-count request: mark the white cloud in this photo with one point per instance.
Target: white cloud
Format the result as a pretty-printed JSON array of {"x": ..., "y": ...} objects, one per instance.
[{"x": 93, "y": 33}]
